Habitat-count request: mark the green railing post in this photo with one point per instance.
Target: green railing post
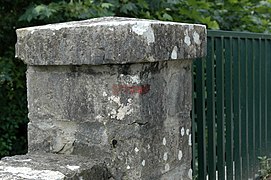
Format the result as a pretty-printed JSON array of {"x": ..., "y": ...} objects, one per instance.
[
  {"x": 201, "y": 131},
  {"x": 237, "y": 109},
  {"x": 220, "y": 107},
  {"x": 257, "y": 48},
  {"x": 211, "y": 124},
  {"x": 244, "y": 105},
  {"x": 268, "y": 81},
  {"x": 251, "y": 108},
  {"x": 229, "y": 107}
]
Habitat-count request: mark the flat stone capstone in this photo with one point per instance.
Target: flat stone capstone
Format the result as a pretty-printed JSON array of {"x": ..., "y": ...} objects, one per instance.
[{"x": 110, "y": 40}]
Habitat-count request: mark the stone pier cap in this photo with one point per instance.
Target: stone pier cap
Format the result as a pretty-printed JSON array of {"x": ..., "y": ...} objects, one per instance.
[{"x": 110, "y": 40}]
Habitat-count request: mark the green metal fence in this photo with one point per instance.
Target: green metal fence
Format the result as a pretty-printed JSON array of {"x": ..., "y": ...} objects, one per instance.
[{"x": 232, "y": 106}]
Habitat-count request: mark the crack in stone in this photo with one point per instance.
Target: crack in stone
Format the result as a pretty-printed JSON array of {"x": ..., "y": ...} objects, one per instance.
[{"x": 139, "y": 123}]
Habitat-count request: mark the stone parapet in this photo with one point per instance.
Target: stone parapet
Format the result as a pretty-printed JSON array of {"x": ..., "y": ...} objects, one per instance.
[
  {"x": 110, "y": 40},
  {"x": 117, "y": 91}
]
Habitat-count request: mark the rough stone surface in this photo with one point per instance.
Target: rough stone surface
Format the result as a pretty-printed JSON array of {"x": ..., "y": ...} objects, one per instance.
[
  {"x": 52, "y": 167},
  {"x": 110, "y": 40},
  {"x": 133, "y": 115},
  {"x": 113, "y": 89}
]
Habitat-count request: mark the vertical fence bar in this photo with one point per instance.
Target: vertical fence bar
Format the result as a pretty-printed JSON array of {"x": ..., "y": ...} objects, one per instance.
[
  {"x": 229, "y": 107},
  {"x": 220, "y": 108},
  {"x": 260, "y": 99},
  {"x": 194, "y": 124},
  {"x": 237, "y": 114},
  {"x": 210, "y": 88},
  {"x": 251, "y": 109},
  {"x": 257, "y": 97},
  {"x": 268, "y": 65},
  {"x": 244, "y": 123},
  {"x": 201, "y": 131},
  {"x": 263, "y": 97}
]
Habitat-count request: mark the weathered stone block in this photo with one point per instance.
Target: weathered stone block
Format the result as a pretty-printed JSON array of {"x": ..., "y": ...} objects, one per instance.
[
  {"x": 110, "y": 40},
  {"x": 136, "y": 115},
  {"x": 117, "y": 90}
]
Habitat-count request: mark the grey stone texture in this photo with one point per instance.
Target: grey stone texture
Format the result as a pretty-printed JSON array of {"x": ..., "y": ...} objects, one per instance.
[
  {"x": 110, "y": 40},
  {"x": 116, "y": 91},
  {"x": 137, "y": 116},
  {"x": 51, "y": 167}
]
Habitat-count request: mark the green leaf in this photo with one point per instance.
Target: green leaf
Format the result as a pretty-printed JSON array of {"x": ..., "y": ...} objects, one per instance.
[
  {"x": 106, "y": 5},
  {"x": 129, "y": 7},
  {"x": 40, "y": 8},
  {"x": 210, "y": 24},
  {"x": 143, "y": 4},
  {"x": 167, "y": 17},
  {"x": 233, "y": 1}
]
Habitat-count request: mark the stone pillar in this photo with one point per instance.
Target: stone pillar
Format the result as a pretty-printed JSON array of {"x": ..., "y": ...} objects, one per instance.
[{"x": 115, "y": 90}]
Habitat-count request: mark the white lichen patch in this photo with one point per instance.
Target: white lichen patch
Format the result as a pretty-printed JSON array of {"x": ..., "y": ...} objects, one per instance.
[
  {"x": 187, "y": 131},
  {"x": 104, "y": 94},
  {"x": 99, "y": 117},
  {"x": 190, "y": 174},
  {"x": 144, "y": 29},
  {"x": 113, "y": 113},
  {"x": 130, "y": 79},
  {"x": 135, "y": 79},
  {"x": 196, "y": 38},
  {"x": 190, "y": 140},
  {"x": 73, "y": 167},
  {"x": 167, "y": 167},
  {"x": 165, "y": 156},
  {"x": 122, "y": 110},
  {"x": 180, "y": 155},
  {"x": 187, "y": 40},
  {"x": 164, "y": 141},
  {"x": 115, "y": 99},
  {"x": 174, "y": 53},
  {"x": 28, "y": 173},
  {"x": 143, "y": 162},
  {"x": 182, "y": 131},
  {"x": 136, "y": 149}
]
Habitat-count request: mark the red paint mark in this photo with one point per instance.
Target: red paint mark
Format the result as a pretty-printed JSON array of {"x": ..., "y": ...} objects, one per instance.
[{"x": 128, "y": 89}]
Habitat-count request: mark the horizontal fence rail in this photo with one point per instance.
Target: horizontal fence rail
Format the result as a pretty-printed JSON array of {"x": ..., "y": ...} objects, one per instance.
[{"x": 232, "y": 106}]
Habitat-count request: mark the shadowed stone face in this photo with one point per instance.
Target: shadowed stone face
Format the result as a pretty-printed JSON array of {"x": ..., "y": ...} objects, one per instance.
[
  {"x": 114, "y": 90},
  {"x": 136, "y": 127}
]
